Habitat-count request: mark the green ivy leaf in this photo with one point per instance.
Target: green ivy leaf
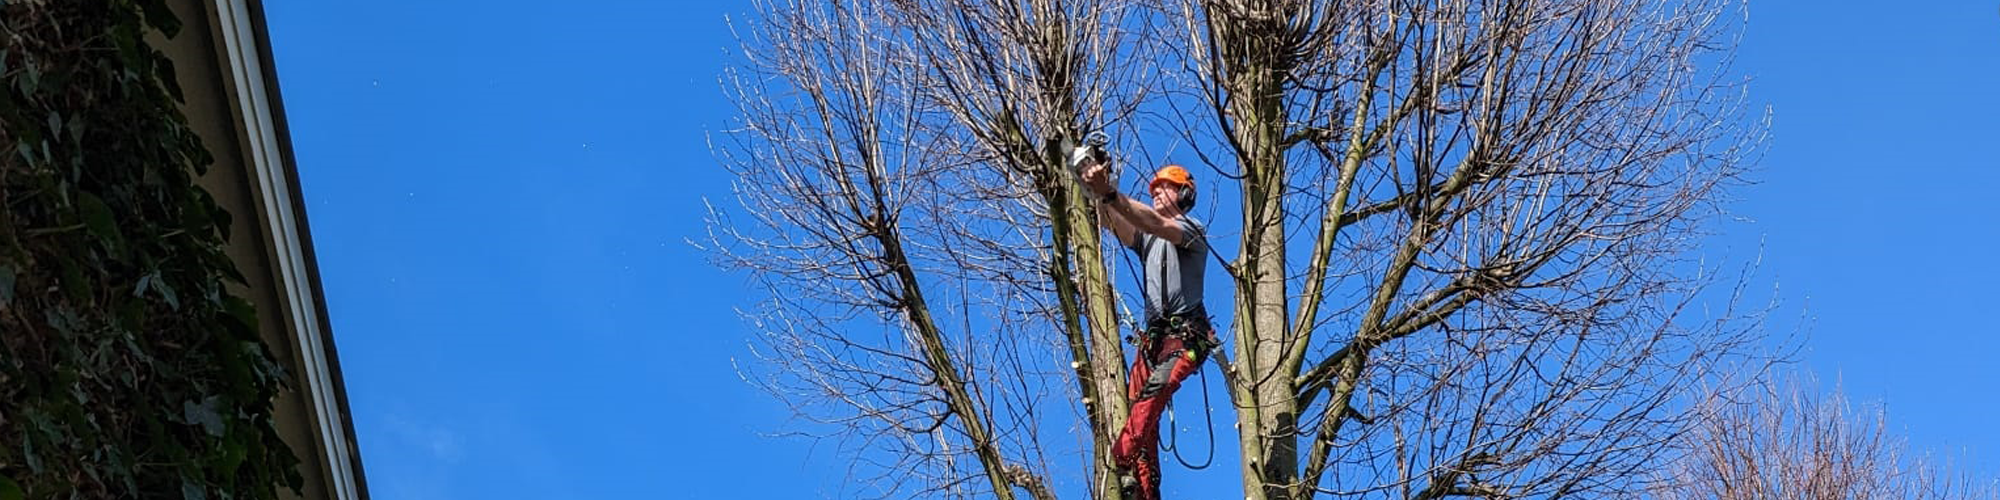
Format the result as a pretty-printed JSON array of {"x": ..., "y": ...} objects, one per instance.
[
  {"x": 9, "y": 490},
  {"x": 75, "y": 129},
  {"x": 233, "y": 453},
  {"x": 160, "y": 17},
  {"x": 97, "y": 216},
  {"x": 244, "y": 314},
  {"x": 167, "y": 292},
  {"x": 73, "y": 284},
  {"x": 31, "y": 80},
  {"x": 194, "y": 214},
  {"x": 204, "y": 414},
  {"x": 34, "y": 459},
  {"x": 164, "y": 73},
  {"x": 192, "y": 491}
]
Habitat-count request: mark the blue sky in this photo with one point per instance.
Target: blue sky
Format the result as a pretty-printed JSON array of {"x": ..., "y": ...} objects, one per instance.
[{"x": 500, "y": 194}]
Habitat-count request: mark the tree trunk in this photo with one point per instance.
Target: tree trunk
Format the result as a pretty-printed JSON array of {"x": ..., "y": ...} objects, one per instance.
[{"x": 1247, "y": 43}]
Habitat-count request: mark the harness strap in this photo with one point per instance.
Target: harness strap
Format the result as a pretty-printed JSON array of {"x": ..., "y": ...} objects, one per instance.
[
  {"x": 1191, "y": 327},
  {"x": 1192, "y": 330}
]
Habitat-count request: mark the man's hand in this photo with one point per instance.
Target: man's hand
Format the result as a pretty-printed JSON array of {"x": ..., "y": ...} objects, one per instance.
[{"x": 1096, "y": 178}]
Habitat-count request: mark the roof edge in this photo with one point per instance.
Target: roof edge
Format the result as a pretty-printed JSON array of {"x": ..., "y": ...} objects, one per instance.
[{"x": 246, "y": 48}]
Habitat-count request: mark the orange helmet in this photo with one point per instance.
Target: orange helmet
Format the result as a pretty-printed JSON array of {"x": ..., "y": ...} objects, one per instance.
[
  {"x": 1174, "y": 174},
  {"x": 1179, "y": 177}
]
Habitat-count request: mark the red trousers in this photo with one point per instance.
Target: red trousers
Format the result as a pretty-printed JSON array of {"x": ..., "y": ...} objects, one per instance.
[{"x": 1156, "y": 373}]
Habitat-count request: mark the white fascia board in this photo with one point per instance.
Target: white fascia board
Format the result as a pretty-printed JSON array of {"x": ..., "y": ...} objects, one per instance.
[{"x": 273, "y": 186}]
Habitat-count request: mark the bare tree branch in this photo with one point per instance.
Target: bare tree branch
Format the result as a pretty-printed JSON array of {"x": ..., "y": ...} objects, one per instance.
[{"x": 1779, "y": 439}]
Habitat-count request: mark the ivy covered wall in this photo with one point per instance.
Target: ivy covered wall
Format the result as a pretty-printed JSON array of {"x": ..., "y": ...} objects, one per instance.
[{"x": 126, "y": 368}]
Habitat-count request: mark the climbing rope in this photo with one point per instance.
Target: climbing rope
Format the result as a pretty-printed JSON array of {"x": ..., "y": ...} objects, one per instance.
[{"x": 1208, "y": 416}]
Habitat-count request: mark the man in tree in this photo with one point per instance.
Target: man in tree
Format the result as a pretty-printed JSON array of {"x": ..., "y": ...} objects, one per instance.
[{"x": 1173, "y": 250}]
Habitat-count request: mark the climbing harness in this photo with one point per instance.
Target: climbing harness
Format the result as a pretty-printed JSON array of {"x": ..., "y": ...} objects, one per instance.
[{"x": 1196, "y": 343}]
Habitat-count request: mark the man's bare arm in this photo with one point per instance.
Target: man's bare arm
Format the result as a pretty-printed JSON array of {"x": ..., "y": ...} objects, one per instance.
[
  {"x": 1112, "y": 220},
  {"x": 1143, "y": 218}
]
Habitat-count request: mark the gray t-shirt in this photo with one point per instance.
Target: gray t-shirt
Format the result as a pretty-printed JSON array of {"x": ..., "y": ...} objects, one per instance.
[{"x": 1172, "y": 274}]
